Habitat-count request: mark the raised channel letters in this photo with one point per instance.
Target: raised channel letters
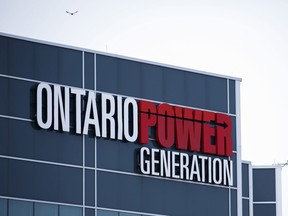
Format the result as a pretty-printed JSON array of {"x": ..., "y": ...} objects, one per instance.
[
  {"x": 124, "y": 118},
  {"x": 179, "y": 165},
  {"x": 188, "y": 129},
  {"x": 58, "y": 105}
]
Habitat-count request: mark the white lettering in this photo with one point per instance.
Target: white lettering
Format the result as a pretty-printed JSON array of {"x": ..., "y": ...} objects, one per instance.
[
  {"x": 180, "y": 165},
  {"x": 175, "y": 164},
  {"x": 133, "y": 103},
  {"x": 91, "y": 106},
  {"x": 217, "y": 169},
  {"x": 165, "y": 163},
  {"x": 184, "y": 162},
  {"x": 154, "y": 162},
  {"x": 108, "y": 115},
  {"x": 195, "y": 168},
  {"x": 44, "y": 87},
  {"x": 119, "y": 118},
  {"x": 203, "y": 167},
  {"x": 144, "y": 163},
  {"x": 228, "y": 172},
  {"x": 64, "y": 109},
  {"x": 78, "y": 94}
]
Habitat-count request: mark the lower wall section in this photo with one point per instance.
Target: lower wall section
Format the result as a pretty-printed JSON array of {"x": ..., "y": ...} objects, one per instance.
[
  {"x": 37, "y": 181},
  {"x": 12, "y": 207},
  {"x": 24, "y": 208},
  {"x": 264, "y": 209},
  {"x": 160, "y": 196}
]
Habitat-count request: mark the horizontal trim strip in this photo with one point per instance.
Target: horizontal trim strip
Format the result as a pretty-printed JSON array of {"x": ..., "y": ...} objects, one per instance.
[
  {"x": 16, "y": 118},
  {"x": 46, "y": 202},
  {"x": 45, "y": 162},
  {"x": 265, "y": 202}
]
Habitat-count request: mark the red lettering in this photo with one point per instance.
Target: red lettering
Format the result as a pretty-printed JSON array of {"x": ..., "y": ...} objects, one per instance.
[
  {"x": 208, "y": 133},
  {"x": 147, "y": 118},
  {"x": 223, "y": 135},
  {"x": 192, "y": 130},
  {"x": 165, "y": 125},
  {"x": 188, "y": 132}
]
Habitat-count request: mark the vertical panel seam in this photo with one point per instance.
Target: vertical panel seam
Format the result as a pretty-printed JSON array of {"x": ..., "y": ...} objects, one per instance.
[
  {"x": 228, "y": 97},
  {"x": 95, "y": 139},
  {"x": 83, "y": 141}
]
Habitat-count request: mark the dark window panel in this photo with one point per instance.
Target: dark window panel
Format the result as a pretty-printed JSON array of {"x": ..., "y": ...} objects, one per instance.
[
  {"x": 245, "y": 180},
  {"x": 69, "y": 65},
  {"x": 22, "y": 208},
  {"x": 264, "y": 178},
  {"x": 107, "y": 74},
  {"x": 70, "y": 211},
  {"x": 90, "y": 187},
  {"x": 44, "y": 209},
  {"x": 264, "y": 209},
  {"x": 89, "y": 151},
  {"x": 19, "y": 98},
  {"x": 234, "y": 158},
  {"x": 174, "y": 86},
  {"x": 122, "y": 155},
  {"x": 106, "y": 213},
  {"x": 20, "y": 58},
  {"x": 128, "y": 214},
  {"x": 89, "y": 70},
  {"x": 234, "y": 202},
  {"x": 90, "y": 212},
  {"x": 206, "y": 92},
  {"x": 159, "y": 83},
  {"x": 232, "y": 97},
  {"x": 234, "y": 131},
  {"x": 245, "y": 207},
  {"x": 129, "y": 78},
  {"x": 153, "y": 82},
  {"x": 3, "y": 207},
  {"x": 23, "y": 139},
  {"x": 128, "y": 192},
  {"x": 46, "y": 63},
  {"x": 3, "y": 55},
  {"x": 41, "y": 62},
  {"x": 40, "y": 181}
]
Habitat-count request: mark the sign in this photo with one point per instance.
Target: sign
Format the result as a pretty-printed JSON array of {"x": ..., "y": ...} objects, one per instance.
[{"x": 125, "y": 118}]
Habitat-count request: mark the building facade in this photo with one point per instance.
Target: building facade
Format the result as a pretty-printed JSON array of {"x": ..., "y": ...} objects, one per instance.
[{"x": 90, "y": 133}]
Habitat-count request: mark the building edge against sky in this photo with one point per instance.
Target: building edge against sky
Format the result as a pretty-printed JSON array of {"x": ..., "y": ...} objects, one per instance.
[{"x": 26, "y": 63}]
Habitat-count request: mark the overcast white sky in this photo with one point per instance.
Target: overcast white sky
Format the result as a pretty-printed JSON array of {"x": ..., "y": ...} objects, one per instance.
[{"x": 242, "y": 38}]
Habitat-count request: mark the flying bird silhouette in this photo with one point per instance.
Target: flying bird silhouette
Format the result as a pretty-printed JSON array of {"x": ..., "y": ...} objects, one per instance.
[{"x": 72, "y": 13}]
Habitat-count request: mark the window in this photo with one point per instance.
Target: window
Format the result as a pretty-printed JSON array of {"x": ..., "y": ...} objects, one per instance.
[
  {"x": 42, "y": 209},
  {"x": 22, "y": 208}
]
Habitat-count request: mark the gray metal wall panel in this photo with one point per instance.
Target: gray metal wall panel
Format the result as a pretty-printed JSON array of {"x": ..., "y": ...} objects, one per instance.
[
  {"x": 39, "y": 181},
  {"x": 264, "y": 209},
  {"x": 245, "y": 180},
  {"x": 232, "y": 97},
  {"x": 264, "y": 188},
  {"x": 160, "y": 196},
  {"x": 245, "y": 207},
  {"x": 114, "y": 75},
  {"x": 41, "y": 62},
  {"x": 174, "y": 86}
]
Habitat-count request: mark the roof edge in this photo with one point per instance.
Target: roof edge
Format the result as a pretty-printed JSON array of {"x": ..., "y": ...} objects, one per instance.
[{"x": 118, "y": 56}]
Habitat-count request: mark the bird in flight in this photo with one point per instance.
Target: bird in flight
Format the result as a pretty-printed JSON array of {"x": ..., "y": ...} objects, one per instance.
[{"x": 72, "y": 13}]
